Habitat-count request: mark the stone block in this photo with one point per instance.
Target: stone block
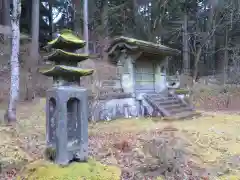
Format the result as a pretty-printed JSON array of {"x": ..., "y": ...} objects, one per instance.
[{"x": 67, "y": 123}]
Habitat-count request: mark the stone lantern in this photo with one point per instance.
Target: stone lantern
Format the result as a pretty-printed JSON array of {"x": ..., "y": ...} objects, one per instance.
[{"x": 67, "y": 102}]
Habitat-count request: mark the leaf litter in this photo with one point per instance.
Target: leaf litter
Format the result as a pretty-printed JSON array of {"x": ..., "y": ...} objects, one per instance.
[{"x": 202, "y": 148}]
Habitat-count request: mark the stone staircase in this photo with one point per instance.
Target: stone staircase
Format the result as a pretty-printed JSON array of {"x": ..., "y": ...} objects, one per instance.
[{"x": 170, "y": 106}]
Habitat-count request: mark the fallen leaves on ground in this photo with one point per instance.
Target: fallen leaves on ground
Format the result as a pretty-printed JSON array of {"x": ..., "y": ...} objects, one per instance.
[{"x": 204, "y": 146}]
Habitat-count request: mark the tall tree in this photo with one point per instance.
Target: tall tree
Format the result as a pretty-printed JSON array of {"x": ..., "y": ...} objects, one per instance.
[
  {"x": 14, "y": 89},
  {"x": 34, "y": 51},
  {"x": 35, "y": 27},
  {"x": 5, "y": 18},
  {"x": 6, "y": 14},
  {"x": 50, "y": 17},
  {"x": 85, "y": 14},
  {"x": 78, "y": 17},
  {"x": 186, "y": 58}
]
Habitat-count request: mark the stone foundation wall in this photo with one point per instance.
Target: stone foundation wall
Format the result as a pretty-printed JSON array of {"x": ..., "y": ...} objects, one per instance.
[
  {"x": 114, "y": 109},
  {"x": 121, "y": 108}
]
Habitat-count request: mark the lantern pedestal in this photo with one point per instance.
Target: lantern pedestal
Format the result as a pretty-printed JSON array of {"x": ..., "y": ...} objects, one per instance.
[
  {"x": 67, "y": 102},
  {"x": 67, "y": 123}
]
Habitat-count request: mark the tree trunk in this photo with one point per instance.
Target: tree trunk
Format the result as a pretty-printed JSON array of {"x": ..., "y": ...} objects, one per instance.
[
  {"x": 14, "y": 89},
  {"x": 85, "y": 14},
  {"x": 50, "y": 18},
  {"x": 197, "y": 59},
  {"x": 78, "y": 18},
  {"x": 195, "y": 74},
  {"x": 185, "y": 77},
  {"x": 225, "y": 61},
  {"x": 35, "y": 27},
  {"x": 136, "y": 17},
  {"x": 186, "y": 62},
  {"x": 103, "y": 35},
  {"x": 1, "y": 11},
  {"x": 6, "y": 20},
  {"x": 34, "y": 52},
  {"x": 6, "y": 15},
  {"x": 211, "y": 46}
]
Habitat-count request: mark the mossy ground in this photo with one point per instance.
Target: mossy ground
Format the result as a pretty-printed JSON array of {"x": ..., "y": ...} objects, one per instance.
[
  {"x": 91, "y": 170},
  {"x": 214, "y": 138}
]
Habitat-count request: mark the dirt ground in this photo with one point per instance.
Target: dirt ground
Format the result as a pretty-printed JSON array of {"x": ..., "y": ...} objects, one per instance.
[{"x": 206, "y": 147}]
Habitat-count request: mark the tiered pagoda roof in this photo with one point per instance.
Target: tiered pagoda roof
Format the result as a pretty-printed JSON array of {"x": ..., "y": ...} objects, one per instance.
[
  {"x": 65, "y": 58},
  {"x": 66, "y": 71},
  {"x": 67, "y": 40},
  {"x": 59, "y": 55}
]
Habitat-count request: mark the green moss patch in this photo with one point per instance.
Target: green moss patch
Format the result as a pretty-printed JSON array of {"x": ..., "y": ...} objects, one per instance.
[
  {"x": 67, "y": 40},
  {"x": 181, "y": 91},
  {"x": 229, "y": 177},
  {"x": 92, "y": 170},
  {"x": 143, "y": 45},
  {"x": 63, "y": 56},
  {"x": 67, "y": 71}
]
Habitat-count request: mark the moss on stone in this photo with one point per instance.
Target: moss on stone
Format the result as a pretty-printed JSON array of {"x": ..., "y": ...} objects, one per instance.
[
  {"x": 60, "y": 56},
  {"x": 145, "y": 46},
  {"x": 159, "y": 178},
  {"x": 67, "y": 40},
  {"x": 92, "y": 170},
  {"x": 67, "y": 71},
  {"x": 181, "y": 91},
  {"x": 139, "y": 42}
]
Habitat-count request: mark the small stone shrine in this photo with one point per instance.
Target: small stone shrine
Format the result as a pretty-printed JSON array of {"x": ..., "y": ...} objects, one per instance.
[
  {"x": 67, "y": 102},
  {"x": 142, "y": 87}
]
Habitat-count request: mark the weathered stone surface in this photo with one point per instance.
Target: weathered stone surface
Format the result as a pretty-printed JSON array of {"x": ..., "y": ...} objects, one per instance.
[
  {"x": 66, "y": 59},
  {"x": 67, "y": 123},
  {"x": 67, "y": 103},
  {"x": 111, "y": 109},
  {"x": 61, "y": 55},
  {"x": 135, "y": 44},
  {"x": 114, "y": 109},
  {"x": 66, "y": 71}
]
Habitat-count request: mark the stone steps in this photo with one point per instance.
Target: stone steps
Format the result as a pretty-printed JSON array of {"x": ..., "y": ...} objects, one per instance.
[
  {"x": 169, "y": 106},
  {"x": 183, "y": 115}
]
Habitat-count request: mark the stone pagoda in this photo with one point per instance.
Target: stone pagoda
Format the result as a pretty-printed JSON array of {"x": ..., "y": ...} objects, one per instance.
[{"x": 67, "y": 103}]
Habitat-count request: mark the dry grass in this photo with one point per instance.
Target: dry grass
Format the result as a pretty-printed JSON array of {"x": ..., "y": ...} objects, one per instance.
[
  {"x": 213, "y": 140},
  {"x": 216, "y": 98}
]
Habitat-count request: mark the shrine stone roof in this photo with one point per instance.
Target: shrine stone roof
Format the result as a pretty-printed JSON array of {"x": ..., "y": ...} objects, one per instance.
[{"x": 135, "y": 45}]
